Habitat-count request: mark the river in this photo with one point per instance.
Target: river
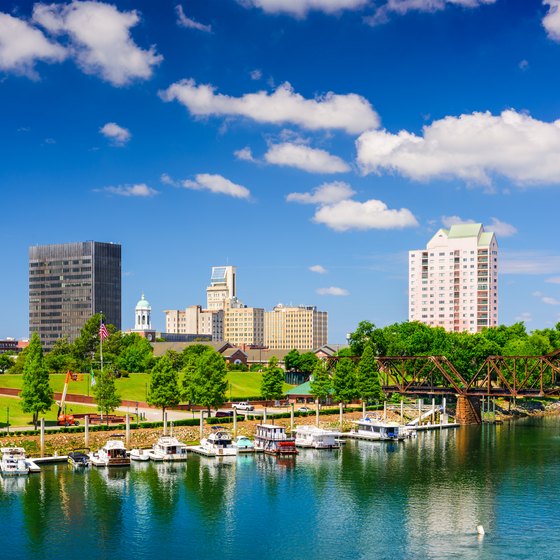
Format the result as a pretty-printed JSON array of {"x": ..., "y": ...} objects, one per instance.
[{"x": 418, "y": 499}]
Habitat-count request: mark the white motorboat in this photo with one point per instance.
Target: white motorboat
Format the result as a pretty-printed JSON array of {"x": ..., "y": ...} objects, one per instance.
[
  {"x": 13, "y": 462},
  {"x": 316, "y": 438},
  {"x": 218, "y": 443},
  {"x": 378, "y": 430},
  {"x": 79, "y": 458},
  {"x": 244, "y": 444},
  {"x": 139, "y": 455},
  {"x": 112, "y": 454},
  {"x": 272, "y": 439},
  {"x": 168, "y": 448}
]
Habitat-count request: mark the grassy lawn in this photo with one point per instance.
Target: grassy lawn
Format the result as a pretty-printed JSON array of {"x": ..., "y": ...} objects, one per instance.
[
  {"x": 19, "y": 418},
  {"x": 242, "y": 384}
]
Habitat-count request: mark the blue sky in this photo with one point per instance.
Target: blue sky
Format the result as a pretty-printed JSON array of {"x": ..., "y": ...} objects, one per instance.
[{"x": 311, "y": 143}]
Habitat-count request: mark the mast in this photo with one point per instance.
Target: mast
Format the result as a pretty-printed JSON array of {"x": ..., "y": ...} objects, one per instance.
[{"x": 101, "y": 340}]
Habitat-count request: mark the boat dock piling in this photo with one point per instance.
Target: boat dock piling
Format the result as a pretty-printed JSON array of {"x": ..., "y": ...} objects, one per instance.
[{"x": 42, "y": 437}]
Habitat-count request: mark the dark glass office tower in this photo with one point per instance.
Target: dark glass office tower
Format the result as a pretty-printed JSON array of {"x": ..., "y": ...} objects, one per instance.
[{"x": 68, "y": 283}]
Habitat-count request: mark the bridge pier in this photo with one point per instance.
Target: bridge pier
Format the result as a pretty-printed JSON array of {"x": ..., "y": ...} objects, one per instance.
[{"x": 468, "y": 410}]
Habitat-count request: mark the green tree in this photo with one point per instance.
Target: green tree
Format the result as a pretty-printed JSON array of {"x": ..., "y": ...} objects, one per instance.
[
  {"x": 272, "y": 382},
  {"x": 321, "y": 382},
  {"x": 164, "y": 386},
  {"x": 364, "y": 333},
  {"x": 86, "y": 346},
  {"x": 105, "y": 393},
  {"x": 368, "y": 383},
  {"x": 5, "y": 363},
  {"x": 344, "y": 380},
  {"x": 291, "y": 360},
  {"x": 60, "y": 358},
  {"x": 307, "y": 362},
  {"x": 135, "y": 354},
  {"x": 36, "y": 393},
  {"x": 17, "y": 366}
]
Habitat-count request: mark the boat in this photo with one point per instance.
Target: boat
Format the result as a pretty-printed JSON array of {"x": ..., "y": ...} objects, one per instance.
[
  {"x": 244, "y": 444},
  {"x": 139, "y": 455},
  {"x": 13, "y": 462},
  {"x": 79, "y": 458},
  {"x": 168, "y": 448},
  {"x": 316, "y": 438},
  {"x": 378, "y": 430},
  {"x": 218, "y": 443},
  {"x": 272, "y": 439},
  {"x": 112, "y": 454}
]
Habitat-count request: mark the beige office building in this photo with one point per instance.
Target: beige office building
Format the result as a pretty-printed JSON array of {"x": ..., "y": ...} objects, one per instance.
[
  {"x": 301, "y": 327},
  {"x": 243, "y": 325},
  {"x": 453, "y": 283},
  {"x": 195, "y": 320},
  {"x": 222, "y": 287}
]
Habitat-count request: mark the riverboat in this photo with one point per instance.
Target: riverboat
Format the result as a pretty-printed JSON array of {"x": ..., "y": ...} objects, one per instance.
[
  {"x": 79, "y": 458},
  {"x": 218, "y": 443},
  {"x": 244, "y": 444},
  {"x": 168, "y": 448},
  {"x": 378, "y": 430},
  {"x": 272, "y": 439},
  {"x": 13, "y": 462},
  {"x": 316, "y": 438},
  {"x": 112, "y": 454}
]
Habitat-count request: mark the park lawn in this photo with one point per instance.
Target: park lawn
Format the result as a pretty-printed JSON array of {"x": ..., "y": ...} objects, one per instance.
[
  {"x": 20, "y": 418},
  {"x": 134, "y": 388}
]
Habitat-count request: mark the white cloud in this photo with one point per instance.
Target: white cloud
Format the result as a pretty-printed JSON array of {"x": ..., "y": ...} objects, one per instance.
[
  {"x": 318, "y": 269},
  {"x": 546, "y": 299},
  {"x": 523, "y": 64},
  {"x": 119, "y": 135},
  {"x": 333, "y": 291},
  {"x": 327, "y": 193},
  {"x": 372, "y": 214},
  {"x": 554, "y": 280},
  {"x": 501, "y": 229},
  {"x": 529, "y": 262},
  {"x": 166, "y": 179},
  {"x": 255, "y": 74},
  {"x": 100, "y": 39},
  {"x": 351, "y": 112},
  {"x": 22, "y": 45},
  {"x": 401, "y": 7},
  {"x": 216, "y": 184},
  {"x": 449, "y": 221},
  {"x": 551, "y": 21},
  {"x": 526, "y": 317},
  {"x": 244, "y": 154},
  {"x": 470, "y": 147},
  {"x": 190, "y": 23},
  {"x": 140, "y": 190},
  {"x": 300, "y": 8},
  {"x": 303, "y": 157}
]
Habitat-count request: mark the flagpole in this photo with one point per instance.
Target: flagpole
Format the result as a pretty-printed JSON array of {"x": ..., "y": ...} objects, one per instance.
[{"x": 101, "y": 341}]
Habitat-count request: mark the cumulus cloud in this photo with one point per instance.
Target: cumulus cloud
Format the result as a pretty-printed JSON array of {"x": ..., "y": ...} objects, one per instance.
[
  {"x": 117, "y": 134},
  {"x": 449, "y": 221},
  {"x": 255, "y": 74},
  {"x": 166, "y": 179},
  {"x": 303, "y": 157},
  {"x": 351, "y": 112},
  {"x": 190, "y": 23},
  {"x": 300, "y": 8},
  {"x": 546, "y": 299},
  {"x": 244, "y": 154},
  {"x": 372, "y": 214},
  {"x": 140, "y": 190},
  {"x": 501, "y": 229},
  {"x": 22, "y": 45},
  {"x": 99, "y": 39},
  {"x": 469, "y": 147},
  {"x": 401, "y": 7},
  {"x": 333, "y": 291},
  {"x": 327, "y": 193},
  {"x": 317, "y": 268},
  {"x": 551, "y": 21},
  {"x": 216, "y": 184}
]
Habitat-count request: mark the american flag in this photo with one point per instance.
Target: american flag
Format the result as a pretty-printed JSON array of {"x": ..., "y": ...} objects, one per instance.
[{"x": 103, "y": 332}]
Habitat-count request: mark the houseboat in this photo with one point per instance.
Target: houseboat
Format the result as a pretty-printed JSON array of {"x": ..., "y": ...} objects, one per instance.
[
  {"x": 378, "y": 430},
  {"x": 316, "y": 438},
  {"x": 13, "y": 462},
  {"x": 272, "y": 439},
  {"x": 218, "y": 443},
  {"x": 168, "y": 448},
  {"x": 112, "y": 454}
]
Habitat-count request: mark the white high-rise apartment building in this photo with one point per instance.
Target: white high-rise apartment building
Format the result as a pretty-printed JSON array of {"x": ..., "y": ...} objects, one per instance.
[
  {"x": 453, "y": 283},
  {"x": 222, "y": 287},
  {"x": 301, "y": 327}
]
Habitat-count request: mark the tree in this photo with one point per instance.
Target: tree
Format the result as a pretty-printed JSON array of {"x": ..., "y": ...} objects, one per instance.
[
  {"x": 364, "y": 333},
  {"x": 17, "y": 366},
  {"x": 36, "y": 394},
  {"x": 291, "y": 360},
  {"x": 135, "y": 354},
  {"x": 164, "y": 386},
  {"x": 368, "y": 383},
  {"x": 60, "y": 358},
  {"x": 105, "y": 393},
  {"x": 344, "y": 380},
  {"x": 272, "y": 382},
  {"x": 86, "y": 346},
  {"x": 5, "y": 363},
  {"x": 307, "y": 362},
  {"x": 321, "y": 383}
]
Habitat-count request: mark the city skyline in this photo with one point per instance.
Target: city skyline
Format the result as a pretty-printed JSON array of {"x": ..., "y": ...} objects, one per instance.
[{"x": 313, "y": 144}]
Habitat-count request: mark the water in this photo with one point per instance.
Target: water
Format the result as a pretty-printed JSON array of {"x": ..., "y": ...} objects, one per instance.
[{"x": 418, "y": 499}]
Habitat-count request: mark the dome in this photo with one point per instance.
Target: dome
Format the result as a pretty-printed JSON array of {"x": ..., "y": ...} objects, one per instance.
[{"x": 143, "y": 303}]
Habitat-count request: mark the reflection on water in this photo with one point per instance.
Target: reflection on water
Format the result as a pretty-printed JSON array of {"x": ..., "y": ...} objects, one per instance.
[{"x": 421, "y": 498}]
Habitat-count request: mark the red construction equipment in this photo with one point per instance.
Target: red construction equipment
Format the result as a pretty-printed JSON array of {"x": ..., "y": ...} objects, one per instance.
[{"x": 63, "y": 418}]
